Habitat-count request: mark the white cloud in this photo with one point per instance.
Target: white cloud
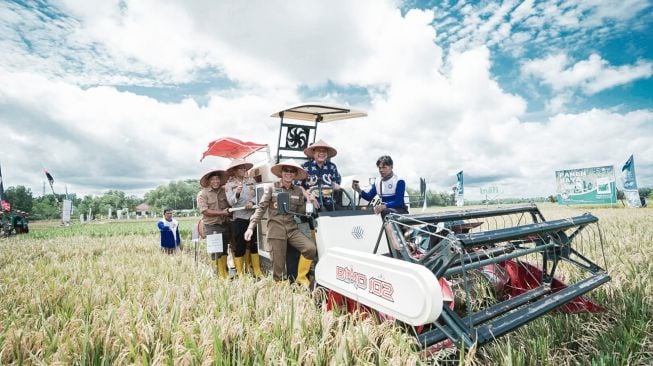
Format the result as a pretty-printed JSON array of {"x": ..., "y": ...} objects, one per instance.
[
  {"x": 435, "y": 115},
  {"x": 591, "y": 76},
  {"x": 551, "y": 22},
  {"x": 521, "y": 12}
]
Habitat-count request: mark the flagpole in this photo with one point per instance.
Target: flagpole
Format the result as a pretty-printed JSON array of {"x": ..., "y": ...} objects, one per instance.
[{"x": 59, "y": 205}]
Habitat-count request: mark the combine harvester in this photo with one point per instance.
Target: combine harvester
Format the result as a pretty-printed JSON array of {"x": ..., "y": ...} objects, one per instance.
[
  {"x": 466, "y": 277},
  {"x": 454, "y": 278}
]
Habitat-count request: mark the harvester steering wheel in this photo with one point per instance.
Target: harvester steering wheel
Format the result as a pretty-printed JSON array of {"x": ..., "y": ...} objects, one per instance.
[{"x": 328, "y": 192}]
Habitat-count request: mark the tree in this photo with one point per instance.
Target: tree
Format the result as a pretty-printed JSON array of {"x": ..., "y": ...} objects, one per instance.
[
  {"x": 20, "y": 198},
  {"x": 177, "y": 195},
  {"x": 46, "y": 207},
  {"x": 86, "y": 203},
  {"x": 438, "y": 198}
]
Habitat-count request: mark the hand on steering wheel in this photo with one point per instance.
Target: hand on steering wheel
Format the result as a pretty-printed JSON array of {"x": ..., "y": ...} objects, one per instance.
[{"x": 327, "y": 192}]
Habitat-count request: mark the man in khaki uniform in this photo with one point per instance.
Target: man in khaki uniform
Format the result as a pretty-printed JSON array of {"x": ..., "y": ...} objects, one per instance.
[
  {"x": 212, "y": 204},
  {"x": 282, "y": 228}
]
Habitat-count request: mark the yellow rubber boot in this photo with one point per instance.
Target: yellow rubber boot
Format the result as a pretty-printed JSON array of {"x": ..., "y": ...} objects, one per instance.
[
  {"x": 248, "y": 261},
  {"x": 238, "y": 262},
  {"x": 222, "y": 267},
  {"x": 303, "y": 267},
  {"x": 256, "y": 266}
]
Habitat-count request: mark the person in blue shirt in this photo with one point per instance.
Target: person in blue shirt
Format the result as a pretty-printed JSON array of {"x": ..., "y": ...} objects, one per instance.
[
  {"x": 390, "y": 188},
  {"x": 169, "y": 228},
  {"x": 322, "y": 174}
]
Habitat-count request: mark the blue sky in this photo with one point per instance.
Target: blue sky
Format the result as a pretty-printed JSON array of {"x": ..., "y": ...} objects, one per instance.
[{"x": 127, "y": 94}]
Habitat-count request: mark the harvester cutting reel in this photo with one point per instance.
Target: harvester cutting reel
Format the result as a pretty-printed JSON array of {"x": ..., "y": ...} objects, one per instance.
[{"x": 465, "y": 277}]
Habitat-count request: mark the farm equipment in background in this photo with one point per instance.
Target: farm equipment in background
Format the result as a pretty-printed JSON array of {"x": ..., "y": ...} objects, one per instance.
[
  {"x": 12, "y": 221},
  {"x": 464, "y": 277}
]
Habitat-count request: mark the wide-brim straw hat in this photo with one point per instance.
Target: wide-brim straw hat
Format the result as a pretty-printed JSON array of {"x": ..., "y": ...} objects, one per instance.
[
  {"x": 236, "y": 163},
  {"x": 204, "y": 181},
  {"x": 301, "y": 173},
  {"x": 310, "y": 151}
]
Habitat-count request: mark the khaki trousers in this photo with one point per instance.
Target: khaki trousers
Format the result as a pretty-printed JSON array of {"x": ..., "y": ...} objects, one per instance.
[{"x": 296, "y": 239}]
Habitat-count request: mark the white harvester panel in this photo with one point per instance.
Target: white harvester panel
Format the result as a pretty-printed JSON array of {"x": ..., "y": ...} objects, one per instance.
[
  {"x": 356, "y": 232},
  {"x": 406, "y": 291}
]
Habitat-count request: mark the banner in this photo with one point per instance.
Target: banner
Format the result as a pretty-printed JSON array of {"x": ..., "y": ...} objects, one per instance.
[
  {"x": 214, "y": 243},
  {"x": 67, "y": 210},
  {"x": 630, "y": 183},
  {"x": 586, "y": 186},
  {"x": 460, "y": 189},
  {"x": 490, "y": 193}
]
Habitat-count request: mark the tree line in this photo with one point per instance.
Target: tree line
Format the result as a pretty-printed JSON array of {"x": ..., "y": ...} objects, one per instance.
[{"x": 178, "y": 195}]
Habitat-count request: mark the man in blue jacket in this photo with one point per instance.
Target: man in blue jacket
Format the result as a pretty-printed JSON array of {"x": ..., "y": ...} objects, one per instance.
[
  {"x": 390, "y": 188},
  {"x": 169, "y": 229}
]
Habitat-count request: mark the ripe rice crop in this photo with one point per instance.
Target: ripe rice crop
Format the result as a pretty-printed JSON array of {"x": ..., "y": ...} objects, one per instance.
[{"x": 105, "y": 294}]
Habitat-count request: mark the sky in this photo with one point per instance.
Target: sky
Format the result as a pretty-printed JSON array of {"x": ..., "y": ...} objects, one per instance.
[{"x": 126, "y": 95}]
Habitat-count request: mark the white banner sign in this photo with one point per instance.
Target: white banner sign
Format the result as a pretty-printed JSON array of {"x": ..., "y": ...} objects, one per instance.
[
  {"x": 214, "y": 243},
  {"x": 67, "y": 210}
]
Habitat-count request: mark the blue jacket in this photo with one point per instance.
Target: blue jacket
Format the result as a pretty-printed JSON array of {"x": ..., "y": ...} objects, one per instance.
[
  {"x": 391, "y": 192},
  {"x": 169, "y": 238}
]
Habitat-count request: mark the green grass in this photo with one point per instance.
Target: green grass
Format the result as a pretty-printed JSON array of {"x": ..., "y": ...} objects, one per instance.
[
  {"x": 103, "y": 293},
  {"x": 103, "y": 228}
]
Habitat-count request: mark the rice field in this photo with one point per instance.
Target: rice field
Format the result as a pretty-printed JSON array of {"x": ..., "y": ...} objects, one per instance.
[{"x": 103, "y": 293}]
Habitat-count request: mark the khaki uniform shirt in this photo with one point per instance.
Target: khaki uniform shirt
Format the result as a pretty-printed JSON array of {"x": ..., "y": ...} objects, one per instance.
[
  {"x": 213, "y": 199},
  {"x": 248, "y": 194},
  {"x": 279, "y": 225}
]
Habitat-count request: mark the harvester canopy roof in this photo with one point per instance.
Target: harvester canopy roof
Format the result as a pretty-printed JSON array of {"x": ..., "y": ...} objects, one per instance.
[{"x": 315, "y": 112}]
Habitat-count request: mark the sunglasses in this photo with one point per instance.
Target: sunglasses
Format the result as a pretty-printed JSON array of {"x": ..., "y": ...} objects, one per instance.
[{"x": 289, "y": 170}]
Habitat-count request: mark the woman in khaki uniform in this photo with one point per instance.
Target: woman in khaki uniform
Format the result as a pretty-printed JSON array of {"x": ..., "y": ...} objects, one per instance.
[
  {"x": 214, "y": 207},
  {"x": 241, "y": 194},
  {"x": 282, "y": 228}
]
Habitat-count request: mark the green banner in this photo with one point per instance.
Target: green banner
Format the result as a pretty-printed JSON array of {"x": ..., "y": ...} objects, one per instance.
[{"x": 586, "y": 186}]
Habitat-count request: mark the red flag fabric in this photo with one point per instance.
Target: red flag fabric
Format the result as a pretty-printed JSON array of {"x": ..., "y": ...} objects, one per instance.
[
  {"x": 229, "y": 147},
  {"x": 6, "y": 206}
]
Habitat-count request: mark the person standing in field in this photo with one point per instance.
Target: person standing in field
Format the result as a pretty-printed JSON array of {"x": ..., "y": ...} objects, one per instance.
[
  {"x": 322, "y": 189},
  {"x": 322, "y": 173},
  {"x": 213, "y": 205},
  {"x": 282, "y": 227},
  {"x": 389, "y": 187},
  {"x": 169, "y": 228},
  {"x": 241, "y": 195}
]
